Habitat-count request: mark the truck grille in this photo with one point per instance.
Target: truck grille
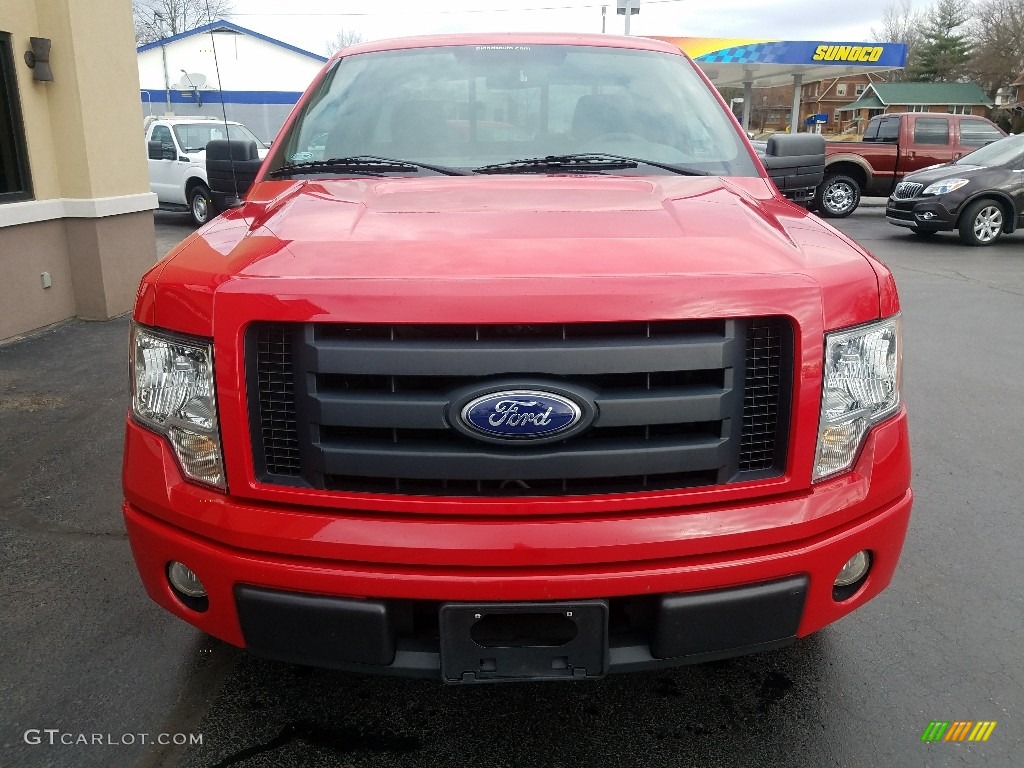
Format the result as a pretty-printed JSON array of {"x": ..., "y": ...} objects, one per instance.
[
  {"x": 906, "y": 190},
  {"x": 364, "y": 407}
]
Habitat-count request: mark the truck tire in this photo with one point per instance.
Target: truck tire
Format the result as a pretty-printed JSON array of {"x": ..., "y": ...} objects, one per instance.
[
  {"x": 837, "y": 197},
  {"x": 200, "y": 205},
  {"x": 981, "y": 223}
]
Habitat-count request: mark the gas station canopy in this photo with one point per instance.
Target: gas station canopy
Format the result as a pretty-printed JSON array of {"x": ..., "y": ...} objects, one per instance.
[
  {"x": 746, "y": 62},
  {"x": 734, "y": 62}
]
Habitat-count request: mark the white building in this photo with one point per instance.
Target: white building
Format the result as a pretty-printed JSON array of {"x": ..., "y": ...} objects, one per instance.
[{"x": 257, "y": 78}]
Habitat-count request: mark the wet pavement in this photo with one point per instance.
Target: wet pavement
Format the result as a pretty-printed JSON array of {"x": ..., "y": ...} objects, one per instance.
[{"x": 85, "y": 652}]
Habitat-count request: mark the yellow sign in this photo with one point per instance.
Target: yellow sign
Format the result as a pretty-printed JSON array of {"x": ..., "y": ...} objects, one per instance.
[{"x": 864, "y": 53}]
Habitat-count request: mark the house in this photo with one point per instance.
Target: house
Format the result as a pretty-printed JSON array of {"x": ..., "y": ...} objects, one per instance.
[
  {"x": 825, "y": 97},
  {"x": 772, "y": 107},
  {"x": 222, "y": 67},
  {"x": 883, "y": 98},
  {"x": 76, "y": 213}
]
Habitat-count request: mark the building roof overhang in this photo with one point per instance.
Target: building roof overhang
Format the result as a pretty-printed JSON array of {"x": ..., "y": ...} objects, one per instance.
[{"x": 734, "y": 62}]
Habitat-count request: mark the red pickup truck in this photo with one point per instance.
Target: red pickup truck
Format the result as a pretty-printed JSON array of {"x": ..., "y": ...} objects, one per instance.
[
  {"x": 893, "y": 146},
  {"x": 579, "y": 395}
]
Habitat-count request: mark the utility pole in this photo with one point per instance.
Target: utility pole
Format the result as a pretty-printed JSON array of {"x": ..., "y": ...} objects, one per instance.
[
  {"x": 604, "y": 17},
  {"x": 627, "y": 8}
]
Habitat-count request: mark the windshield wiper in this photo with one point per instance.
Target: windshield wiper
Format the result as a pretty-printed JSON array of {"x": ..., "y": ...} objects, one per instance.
[
  {"x": 590, "y": 161},
  {"x": 369, "y": 164}
]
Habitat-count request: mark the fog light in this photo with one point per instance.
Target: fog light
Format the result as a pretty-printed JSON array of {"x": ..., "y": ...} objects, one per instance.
[
  {"x": 927, "y": 215},
  {"x": 184, "y": 581},
  {"x": 856, "y": 568}
]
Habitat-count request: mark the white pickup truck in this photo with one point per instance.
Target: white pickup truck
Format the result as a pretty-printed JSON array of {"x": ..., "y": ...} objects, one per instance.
[{"x": 176, "y": 147}]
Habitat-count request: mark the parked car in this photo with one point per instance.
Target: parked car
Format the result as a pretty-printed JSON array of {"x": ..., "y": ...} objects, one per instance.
[
  {"x": 893, "y": 146},
  {"x": 981, "y": 195},
  {"x": 176, "y": 147}
]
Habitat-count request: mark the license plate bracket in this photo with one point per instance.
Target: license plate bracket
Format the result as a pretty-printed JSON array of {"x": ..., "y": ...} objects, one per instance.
[{"x": 498, "y": 642}]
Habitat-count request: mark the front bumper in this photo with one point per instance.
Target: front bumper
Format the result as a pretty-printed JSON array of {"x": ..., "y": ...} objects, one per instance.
[
  {"x": 365, "y": 591},
  {"x": 925, "y": 213}
]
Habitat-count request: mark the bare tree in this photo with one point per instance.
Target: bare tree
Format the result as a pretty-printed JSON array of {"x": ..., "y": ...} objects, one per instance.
[
  {"x": 158, "y": 19},
  {"x": 997, "y": 32},
  {"x": 343, "y": 39},
  {"x": 900, "y": 24}
]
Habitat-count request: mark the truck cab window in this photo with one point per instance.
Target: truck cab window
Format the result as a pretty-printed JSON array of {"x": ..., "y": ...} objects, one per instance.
[
  {"x": 931, "y": 130},
  {"x": 977, "y": 133},
  {"x": 888, "y": 130},
  {"x": 472, "y": 106},
  {"x": 162, "y": 134}
]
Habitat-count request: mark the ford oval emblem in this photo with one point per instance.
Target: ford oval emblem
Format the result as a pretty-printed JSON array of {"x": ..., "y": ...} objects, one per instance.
[{"x": 521, "y": 414}]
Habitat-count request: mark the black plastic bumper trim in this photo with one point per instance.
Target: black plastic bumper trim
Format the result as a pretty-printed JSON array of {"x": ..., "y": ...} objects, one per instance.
[
  {"x": 717, "y": 620},
  {"x": 360, "y": 635},
  {"x": 314, "y": 629}
]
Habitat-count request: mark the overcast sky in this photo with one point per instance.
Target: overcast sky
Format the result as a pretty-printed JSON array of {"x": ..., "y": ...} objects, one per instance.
[{"x": 313, "y": 22}]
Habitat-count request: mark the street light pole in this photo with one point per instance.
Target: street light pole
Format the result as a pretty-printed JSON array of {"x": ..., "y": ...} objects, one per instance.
[{"x": 627, "y": 8}]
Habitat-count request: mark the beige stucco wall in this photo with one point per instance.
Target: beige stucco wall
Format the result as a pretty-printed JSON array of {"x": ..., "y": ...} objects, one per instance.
[
  {"x": 88, "y": 223},
  {"x": 106, "y": 266},
  {"x": 98, "y": 141},
  {"x": 25, "y": 253}
]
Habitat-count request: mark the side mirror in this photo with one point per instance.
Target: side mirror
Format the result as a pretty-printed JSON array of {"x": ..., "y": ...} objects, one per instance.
[
  {"x": 231, "y": 169},
  {"x": 155, "y": 150},
  {"x": 795, "y": 161}
]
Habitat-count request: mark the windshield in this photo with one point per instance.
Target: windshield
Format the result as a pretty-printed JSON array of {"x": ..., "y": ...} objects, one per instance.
[
  {"x": 482, "y": 105},
  {"x": 997, "y": 153},
  {"x": 193, "y": 137}
]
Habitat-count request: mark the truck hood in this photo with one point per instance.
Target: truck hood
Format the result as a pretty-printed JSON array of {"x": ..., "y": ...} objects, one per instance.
[{"x": 526, "y": 229}]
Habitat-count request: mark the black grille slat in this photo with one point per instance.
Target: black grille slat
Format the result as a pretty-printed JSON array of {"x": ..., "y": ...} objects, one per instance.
[
  {"x": 679, "y": 404},
  {"x": 380, "y": 410},
  {"x": 664, "y": 406},
  {"x": 589, "y": 460},
  {"x": 559, "y": 487},
  {"x": 405, "y": 358},
  {"x": 624, "y": 407}
]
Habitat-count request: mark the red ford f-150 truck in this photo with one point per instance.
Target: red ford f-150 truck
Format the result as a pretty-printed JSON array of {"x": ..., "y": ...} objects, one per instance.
[
  {"x": 893, "y": 146},
  {"x": 515, "y": 364}
]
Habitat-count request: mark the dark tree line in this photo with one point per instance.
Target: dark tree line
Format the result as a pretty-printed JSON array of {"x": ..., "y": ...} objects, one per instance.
[{"x": 157, "y": 19}]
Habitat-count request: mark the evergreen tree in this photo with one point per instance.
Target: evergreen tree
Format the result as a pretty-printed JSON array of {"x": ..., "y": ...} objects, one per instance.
[{"x": 944, "y": 50}]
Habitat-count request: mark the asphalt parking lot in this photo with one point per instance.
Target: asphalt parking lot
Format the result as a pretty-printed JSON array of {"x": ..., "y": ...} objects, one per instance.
[{"x": 86, "y": 653}]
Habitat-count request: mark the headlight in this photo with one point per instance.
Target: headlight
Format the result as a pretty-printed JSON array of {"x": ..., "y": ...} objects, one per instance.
[
  {"x": 173, "y": 394},
  {"x": 945, "y": 186},
  {"x": 860, "y": 387}
]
